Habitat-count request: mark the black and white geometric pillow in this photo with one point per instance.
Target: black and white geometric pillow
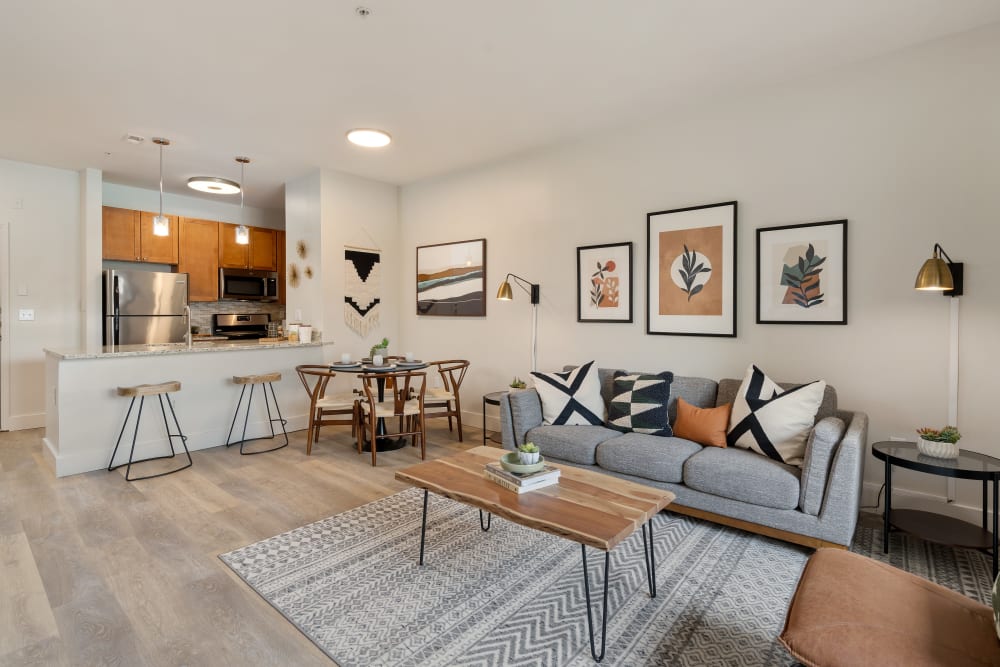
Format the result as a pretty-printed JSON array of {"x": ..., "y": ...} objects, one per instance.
[
  {"x": 573, "y": 397},
  {"x": 771, "y": 421},
  {"x": 639, "y": 403}
]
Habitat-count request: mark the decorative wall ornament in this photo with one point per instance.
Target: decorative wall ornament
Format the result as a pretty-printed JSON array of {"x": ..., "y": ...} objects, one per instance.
[
  {"x": 802, "y": 273},
  {"x": 362, "y": 283},
  {"x": 308, "y": 271},
  {"x": 604, "y": 283},
  {"x": 293, "y": 275},
  {"x": 691, "y": 271},
  {"x": 451, "y": 279},
  {"x": 301, "y": 249}
]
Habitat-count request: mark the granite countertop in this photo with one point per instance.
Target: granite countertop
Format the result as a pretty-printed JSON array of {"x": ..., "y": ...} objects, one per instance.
[{"x": 174, "y": 348}]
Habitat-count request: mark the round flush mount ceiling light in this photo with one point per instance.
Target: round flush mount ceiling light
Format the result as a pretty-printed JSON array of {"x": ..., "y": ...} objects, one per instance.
[
  {"x": 369, "y": 138},
  {"x": 213, "y": 185}
]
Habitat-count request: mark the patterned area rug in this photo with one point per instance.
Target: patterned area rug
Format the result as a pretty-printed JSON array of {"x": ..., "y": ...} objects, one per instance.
[{"x": 514, "y": 596}]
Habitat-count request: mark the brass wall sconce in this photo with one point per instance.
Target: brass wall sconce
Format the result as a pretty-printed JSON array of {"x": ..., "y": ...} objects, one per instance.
[
  {"x": 936, "y": 275},
  {"x": 506, "y": 294}
]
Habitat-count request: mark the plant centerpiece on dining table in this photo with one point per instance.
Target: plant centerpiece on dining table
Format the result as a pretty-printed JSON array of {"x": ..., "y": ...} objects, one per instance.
[
  {"x": 381, "y": 348},
  {"x": 528, "y": 453},
  {"x": 939, "y": 443}
]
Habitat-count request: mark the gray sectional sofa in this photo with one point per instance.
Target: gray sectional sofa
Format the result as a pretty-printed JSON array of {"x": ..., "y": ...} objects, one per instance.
[{"x": 815, "y": 505}]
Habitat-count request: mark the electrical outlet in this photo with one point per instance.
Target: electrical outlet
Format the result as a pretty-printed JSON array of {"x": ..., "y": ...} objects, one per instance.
[
  {"x": 26, "y": 314},
  {"x": 19, "y": 203}
]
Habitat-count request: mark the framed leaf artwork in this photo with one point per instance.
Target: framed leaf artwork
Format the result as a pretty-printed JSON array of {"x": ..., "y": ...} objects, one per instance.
[
  {"x": 604, "y": 283},
  {"x": 802, "y": 273},
  {"x": 691, "y": 271}
]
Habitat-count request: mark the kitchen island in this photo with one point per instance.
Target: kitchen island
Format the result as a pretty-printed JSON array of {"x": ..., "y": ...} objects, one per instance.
[{"x": 84, "y": 414}]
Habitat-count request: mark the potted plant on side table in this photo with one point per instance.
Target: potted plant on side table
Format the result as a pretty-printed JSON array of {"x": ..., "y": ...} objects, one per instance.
[{"x": 939, "y": 443}]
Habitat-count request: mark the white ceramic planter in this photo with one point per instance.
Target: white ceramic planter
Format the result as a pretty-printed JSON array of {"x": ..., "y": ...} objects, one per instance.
[
  {"x": 939, "y": 450},
  {"x": 527, "y": 458}
]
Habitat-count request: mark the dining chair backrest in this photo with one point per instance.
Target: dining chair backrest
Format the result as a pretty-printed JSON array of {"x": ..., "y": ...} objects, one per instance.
[
  {"x": 406, "y": 385},
  {"x": 452, "y": 372},
  {"x": 314, "y": 378}
]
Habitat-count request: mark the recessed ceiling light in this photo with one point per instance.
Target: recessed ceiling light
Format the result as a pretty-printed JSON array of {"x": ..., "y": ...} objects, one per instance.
[
  {"x": 213, "y": 185},
  {"x": 369, "y": 138}
]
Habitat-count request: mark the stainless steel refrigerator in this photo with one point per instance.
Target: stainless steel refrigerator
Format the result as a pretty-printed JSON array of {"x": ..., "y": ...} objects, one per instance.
[{"x": 145, "y": 307}]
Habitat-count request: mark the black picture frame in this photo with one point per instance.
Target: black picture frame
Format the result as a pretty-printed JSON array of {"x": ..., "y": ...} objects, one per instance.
[
  {"x": 594, "y": 306},
  {"x": 668, "y": 235},
  {"x": 782, "y": 295}
]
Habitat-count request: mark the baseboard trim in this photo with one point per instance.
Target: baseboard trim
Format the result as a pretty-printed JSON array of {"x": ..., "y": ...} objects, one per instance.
[
  {"x": 919, "y": 500},
  {"x": 24, "y": 422},
  {"x": 784, "y": 535}
]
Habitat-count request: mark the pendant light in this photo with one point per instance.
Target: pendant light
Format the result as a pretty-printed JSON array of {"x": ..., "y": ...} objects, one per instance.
[
  {"x": 242, "y": 232},
  {"x": 161, "y": 224}
]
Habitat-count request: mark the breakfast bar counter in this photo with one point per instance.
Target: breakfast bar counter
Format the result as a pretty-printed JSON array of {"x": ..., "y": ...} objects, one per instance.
[{"x": 84, "y": 413}]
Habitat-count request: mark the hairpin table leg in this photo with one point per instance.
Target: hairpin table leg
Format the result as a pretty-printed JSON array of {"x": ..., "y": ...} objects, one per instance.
[{"x": 604, "y": 615}]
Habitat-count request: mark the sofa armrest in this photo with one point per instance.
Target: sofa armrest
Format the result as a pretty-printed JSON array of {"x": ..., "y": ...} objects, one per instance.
[
  {"x": 820, "y": 446},
  {"x": 520, "y": 411},
  {"x": 843, "y": 489}
]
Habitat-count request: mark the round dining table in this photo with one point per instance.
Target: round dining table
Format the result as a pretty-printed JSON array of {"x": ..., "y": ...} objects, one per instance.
[{"x": 384, "y": 442}]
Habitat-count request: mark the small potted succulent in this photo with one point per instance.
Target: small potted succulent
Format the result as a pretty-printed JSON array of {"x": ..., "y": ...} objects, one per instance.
[
  {"x": 381, "y": 349},
  {"x": 939, "y": 443},
  {"x": 517, "y": 383},
  {"x": 528, "y": 453}
]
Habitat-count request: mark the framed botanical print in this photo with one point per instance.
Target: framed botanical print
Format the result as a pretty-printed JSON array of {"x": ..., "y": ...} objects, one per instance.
[
  {"x": 802, "y": 273},
  {"x": 604, "y": 283},
  {"x": 451, "y": 279},
  {"x": 691, "y": 271}
]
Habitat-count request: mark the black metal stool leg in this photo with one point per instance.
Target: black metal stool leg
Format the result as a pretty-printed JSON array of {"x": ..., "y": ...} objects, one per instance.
[
  {"x": 489, "y": 520},
  {"x": 423, "y": 529},
  {"x": 246, "y": 419},
  {"x": 236, "y": 414},
  {"x": 111, "y": 463},
  {"x": 135, "y": 434},
  {"x": 604, "y": 616}
]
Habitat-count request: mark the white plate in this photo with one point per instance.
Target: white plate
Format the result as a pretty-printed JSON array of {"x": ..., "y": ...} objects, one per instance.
[
  {"x": 409, "y": 364},
  {"x": 384, "y": 368},
  {"x": 353, "y": 364}
]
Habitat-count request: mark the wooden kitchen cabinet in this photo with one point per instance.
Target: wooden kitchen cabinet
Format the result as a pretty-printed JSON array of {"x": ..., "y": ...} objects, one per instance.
[
  {"x": 262, "y": 249},
  {"x": 120, "y": 234},
  {"x": 127, "y": 236},
  {"x": 279, "y": 252},
  {"x": 199, "y": 258},
  {"x": 258, "y": 254}
]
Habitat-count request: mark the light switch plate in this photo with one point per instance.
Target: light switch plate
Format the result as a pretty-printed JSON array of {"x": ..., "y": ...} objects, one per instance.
[{"x": 26, "y": 315}]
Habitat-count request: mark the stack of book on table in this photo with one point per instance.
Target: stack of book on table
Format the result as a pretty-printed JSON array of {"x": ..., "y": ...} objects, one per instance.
[{"x": 547, "y": 476}]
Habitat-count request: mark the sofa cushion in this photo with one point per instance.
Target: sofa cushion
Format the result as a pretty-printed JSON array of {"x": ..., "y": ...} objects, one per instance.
[
  {"x": 773, "y": 422},
  {"x": 574, "y": 443},
  {"x": 639, "y": 403},
  {"x": 572, "y": 397},
  {"x": 739, "y": 474},
  {"x": 706, "y": 426},
  {"x": 852, "y": 610},
  {"x": 649, "y": 456}
]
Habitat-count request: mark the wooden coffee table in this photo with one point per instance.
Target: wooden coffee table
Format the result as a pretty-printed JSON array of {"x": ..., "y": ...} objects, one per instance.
[{"x": 590, "y": 508}]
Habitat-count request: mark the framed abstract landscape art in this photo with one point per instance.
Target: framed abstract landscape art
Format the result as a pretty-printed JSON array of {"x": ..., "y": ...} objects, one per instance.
[
  {"x": 604, "y": 283},
  {"x": 451, "y": 279},
  {"x": 691, "y": 271},
  {"x": 802, "y": 273}
]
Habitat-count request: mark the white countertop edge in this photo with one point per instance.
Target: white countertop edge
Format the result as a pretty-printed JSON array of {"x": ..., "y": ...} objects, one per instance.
[{"x": 174, "y": 348}]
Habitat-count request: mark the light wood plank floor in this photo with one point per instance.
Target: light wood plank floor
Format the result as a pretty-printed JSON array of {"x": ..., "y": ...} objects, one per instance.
[{"x": 95, "y": 570}]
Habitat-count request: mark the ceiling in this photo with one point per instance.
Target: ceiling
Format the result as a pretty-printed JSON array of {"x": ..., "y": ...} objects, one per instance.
[{"x": 456, "y": 82}]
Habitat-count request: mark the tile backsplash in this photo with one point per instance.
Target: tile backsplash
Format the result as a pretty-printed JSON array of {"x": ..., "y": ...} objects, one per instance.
[{"x": 201, "y": 312}]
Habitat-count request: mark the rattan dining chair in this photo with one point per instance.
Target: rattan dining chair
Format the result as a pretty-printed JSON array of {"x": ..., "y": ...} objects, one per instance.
[
  {"x": 333, "y": 410},
  {"x": 445, "y": 401},
  {"x": 405, "y": 403}
]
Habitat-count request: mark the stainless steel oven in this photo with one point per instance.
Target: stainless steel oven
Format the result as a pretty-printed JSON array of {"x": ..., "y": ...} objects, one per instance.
[{"x": 248, "y": 285}]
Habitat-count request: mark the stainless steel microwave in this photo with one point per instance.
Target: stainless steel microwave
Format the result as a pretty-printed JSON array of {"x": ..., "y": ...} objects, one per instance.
[{"x": 248, "y": 285}]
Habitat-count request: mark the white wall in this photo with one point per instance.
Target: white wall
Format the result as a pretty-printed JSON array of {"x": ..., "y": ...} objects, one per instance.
[
  {"x": 906, "y": 147},
  {"x": 225, "y": 209},
  {"x": 41, "y": 208},
  {"x": 328, "y": 210}
]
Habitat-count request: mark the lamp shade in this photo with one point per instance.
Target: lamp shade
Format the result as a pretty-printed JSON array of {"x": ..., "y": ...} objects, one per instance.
[
  {"x": 934, "y": 275},
  {"x": 504, "y": 293},
  {"x": 161, "y": 225}
]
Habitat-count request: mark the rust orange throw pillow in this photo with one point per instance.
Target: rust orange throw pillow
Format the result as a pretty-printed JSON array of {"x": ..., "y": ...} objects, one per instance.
[{"x": 706, "y": 426}]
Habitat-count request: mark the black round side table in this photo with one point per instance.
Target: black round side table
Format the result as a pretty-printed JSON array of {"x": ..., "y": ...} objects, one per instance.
[
  {"x": 936, "y": 527},
  {"x": 492, "y": 399}
]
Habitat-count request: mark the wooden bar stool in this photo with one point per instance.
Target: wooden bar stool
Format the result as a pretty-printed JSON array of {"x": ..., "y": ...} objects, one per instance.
[
  {"x": 265, "y": 379},
  {"x": 164, "y": 389}
]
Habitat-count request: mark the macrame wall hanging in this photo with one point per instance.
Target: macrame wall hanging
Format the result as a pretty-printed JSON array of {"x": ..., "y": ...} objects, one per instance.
[{"x": 362, "y": 282}]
